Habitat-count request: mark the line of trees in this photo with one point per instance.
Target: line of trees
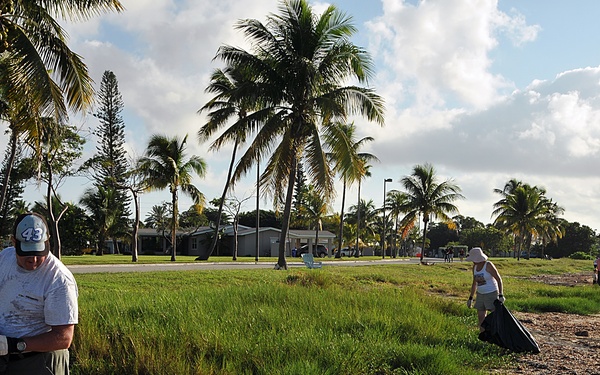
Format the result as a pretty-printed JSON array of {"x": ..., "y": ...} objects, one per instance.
[
  {"x": 285, "y": 101},
  {"x": 41, "y": 80},
  {"x": 294, "y": 77}
]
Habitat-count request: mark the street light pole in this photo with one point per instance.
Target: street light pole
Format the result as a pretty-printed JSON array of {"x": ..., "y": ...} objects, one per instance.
[{"x": 385, "y": 181}]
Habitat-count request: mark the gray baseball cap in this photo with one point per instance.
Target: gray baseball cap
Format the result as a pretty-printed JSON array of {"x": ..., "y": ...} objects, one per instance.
[{"x": 31, "y": 235}]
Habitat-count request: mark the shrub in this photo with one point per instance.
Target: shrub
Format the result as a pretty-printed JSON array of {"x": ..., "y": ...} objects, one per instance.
[{"x": 581, "y": 256}]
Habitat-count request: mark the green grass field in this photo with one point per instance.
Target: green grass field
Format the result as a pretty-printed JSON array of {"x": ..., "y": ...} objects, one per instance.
[
  {"x": 392, "y": 319},
  {"x": 154, "y": 259}
]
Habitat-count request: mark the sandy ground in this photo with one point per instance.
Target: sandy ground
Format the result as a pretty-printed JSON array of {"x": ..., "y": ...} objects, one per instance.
[{"x": 569, "y": 344}]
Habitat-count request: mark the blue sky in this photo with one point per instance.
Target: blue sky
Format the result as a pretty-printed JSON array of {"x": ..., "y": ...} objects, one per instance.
[{"x": 484, "y": 90}]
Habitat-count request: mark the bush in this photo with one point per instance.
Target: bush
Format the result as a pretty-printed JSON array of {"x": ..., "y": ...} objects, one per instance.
[{"x": 580, "y": 255}]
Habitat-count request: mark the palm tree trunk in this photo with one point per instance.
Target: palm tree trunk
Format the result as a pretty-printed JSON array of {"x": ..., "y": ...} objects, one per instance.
[
  {"x": 356, "y": 247},
  {"x": 317, "y": 238},
  {"x": 9, "y": 166},
  {"x": 543, "y": 247},
  {"x": 235, "y": 238},
  {"x": 528, "y": 245},
  {"x": 341, "y": 231},
  {"x": 396, "y": 237},
  {"x": 100, "y": 245},
  {"x": 257, "y": 210},
  {"x": 520, "y": 243},
  {"x": 287, "y": 213},
  {"x": 136, "y": 225},
  {"x": 221, "y": 203},
  {"x": 425, "y": 221},
  {"x": 174, "y": 227}
]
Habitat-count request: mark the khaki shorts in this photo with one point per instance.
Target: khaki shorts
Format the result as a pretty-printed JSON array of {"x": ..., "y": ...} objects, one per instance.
[{"x": 486, "y": 301}]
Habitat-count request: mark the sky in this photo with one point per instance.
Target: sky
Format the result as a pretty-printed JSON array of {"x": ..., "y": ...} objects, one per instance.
[{"x": 484, "y": 90}]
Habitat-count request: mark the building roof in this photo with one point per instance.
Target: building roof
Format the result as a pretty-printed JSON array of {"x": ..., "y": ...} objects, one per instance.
[
  {"x": 305, "y": 233},
  {"x": 243, "y": 231}
]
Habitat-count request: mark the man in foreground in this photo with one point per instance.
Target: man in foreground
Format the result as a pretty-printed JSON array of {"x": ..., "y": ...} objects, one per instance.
[{"x": 38, "y": 303}]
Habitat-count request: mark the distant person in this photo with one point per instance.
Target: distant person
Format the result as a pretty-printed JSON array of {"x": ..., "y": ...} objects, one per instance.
[
  {"x": 461, "y": 254},
  {"x": 486, "y": 282},
  {"x": 596, "y": 264},
  {"x": 38, "y": 309},
  {"x": 450, "y": 254}
]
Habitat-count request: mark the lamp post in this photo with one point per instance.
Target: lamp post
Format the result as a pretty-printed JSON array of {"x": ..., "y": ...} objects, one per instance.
[{"x": 385, "y": 181}]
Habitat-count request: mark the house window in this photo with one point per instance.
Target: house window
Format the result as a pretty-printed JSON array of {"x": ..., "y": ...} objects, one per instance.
[{"x": 194, "y": 243}]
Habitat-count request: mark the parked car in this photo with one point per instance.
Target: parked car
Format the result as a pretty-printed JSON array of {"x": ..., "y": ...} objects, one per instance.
[
  {"x": 320, "y": 251},
  {"x": 346, "y": 252}
]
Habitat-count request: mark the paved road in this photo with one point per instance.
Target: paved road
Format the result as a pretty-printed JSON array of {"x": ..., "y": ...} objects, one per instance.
[{"x": 230, "y": 265}]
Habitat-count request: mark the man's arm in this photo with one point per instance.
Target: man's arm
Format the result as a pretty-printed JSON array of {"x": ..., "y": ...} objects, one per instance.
[{"x": 60, "y": 337}]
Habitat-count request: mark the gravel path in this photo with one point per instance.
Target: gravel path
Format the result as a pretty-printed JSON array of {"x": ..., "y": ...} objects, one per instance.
[{"x": 569, "y": 344}]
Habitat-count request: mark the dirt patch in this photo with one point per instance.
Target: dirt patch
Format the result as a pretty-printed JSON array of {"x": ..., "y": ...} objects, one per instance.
[
  {"x": 568, "y": 279},
  {"x": 569, "y": 344}
]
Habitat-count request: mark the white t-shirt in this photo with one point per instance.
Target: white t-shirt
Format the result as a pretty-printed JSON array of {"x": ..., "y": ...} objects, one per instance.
[{"x": 33, "y": 301}]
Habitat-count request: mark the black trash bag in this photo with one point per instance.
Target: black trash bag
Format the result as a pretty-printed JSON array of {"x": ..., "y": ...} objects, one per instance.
[{"x": 503, "y": 329}]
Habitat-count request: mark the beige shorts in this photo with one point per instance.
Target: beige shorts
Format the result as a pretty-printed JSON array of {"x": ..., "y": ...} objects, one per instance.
[{"x": 486, "y": 301}]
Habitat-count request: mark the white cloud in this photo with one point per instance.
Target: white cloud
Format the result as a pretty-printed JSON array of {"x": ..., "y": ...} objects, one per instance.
[
  {"x": 515, "y": 27},
  {"x": 442, "y": 48},
  {"x": 434, "y": 68}
]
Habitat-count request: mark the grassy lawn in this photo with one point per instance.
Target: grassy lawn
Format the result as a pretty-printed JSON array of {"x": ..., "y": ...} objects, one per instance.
[
  {"x": 391, "y": 319},
  {"x": 154, "y": 259}
]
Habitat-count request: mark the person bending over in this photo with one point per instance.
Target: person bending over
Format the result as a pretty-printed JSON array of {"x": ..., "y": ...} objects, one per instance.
[{"x": 486, "y": 282}]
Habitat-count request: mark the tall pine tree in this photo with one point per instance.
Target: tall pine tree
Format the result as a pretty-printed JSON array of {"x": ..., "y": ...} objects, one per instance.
[
  {"x": 297, "y": 220},
  {"x": 110, "y": 162}
]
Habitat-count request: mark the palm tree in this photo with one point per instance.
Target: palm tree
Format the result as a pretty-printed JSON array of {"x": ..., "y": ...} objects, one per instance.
[
  {"x": 36, "y": 52},
  {"x": 382, "y": 227},
  {"x": 396, "y": 202},
  {"x": 158, "y": 216},
  {"x": 364, "y": 214},
  {"x": 517, "y": 213},
  {"x": 315, "y": 210},
  {"x": 300, "y": 64},
  {"x": 365, "y": 173},
  {"x": 97, "y": 201},
  {"x": 21, "y": 119},
  {"x": 428, "y": 198},
  {"x": 524, "y": 211},
  {"x": 39, "y": 73},
  {"x": 159, "y": 219},
  {"x": 165, "y": 165},
  {"x": 349, "y": 232},
  {"x": 231, "y": 99},
  {"x": 509, "y": 187},
  {"x": 551, "y": 229},
  {"x": 348, "y": 162}
]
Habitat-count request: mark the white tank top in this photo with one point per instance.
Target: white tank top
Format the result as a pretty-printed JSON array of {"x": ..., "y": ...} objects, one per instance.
[{"x": 485, "y": 282}]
